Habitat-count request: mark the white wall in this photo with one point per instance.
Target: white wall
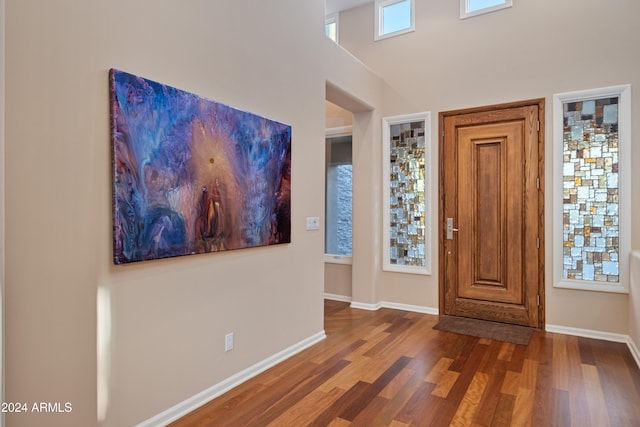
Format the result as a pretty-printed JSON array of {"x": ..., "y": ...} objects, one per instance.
[
  {"x": 337, "y": 280},
  {"x": 162, "y": 323},
  {"x": 337, "y": 117},
  {"x": 353, "y": 86},
  {"x": 532, "y": 50}
]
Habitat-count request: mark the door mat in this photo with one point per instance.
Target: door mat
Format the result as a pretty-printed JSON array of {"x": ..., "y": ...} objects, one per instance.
[{"x": 484, "y": 329}]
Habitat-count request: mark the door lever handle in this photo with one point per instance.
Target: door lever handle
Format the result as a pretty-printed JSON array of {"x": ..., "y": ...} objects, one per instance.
[{"x": 450, "y": 229}]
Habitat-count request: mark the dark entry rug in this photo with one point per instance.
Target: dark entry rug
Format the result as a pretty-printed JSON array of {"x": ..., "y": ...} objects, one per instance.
[{"x": 485, "y": 329}]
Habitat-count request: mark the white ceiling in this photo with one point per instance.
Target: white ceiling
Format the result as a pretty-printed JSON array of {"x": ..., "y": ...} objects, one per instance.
[{"x": 332, "y": 6}]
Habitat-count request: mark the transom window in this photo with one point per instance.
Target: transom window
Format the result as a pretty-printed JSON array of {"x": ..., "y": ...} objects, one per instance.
[
  {"x": 469, "y": 8},
  {"x": 331, "y": 27},
  {"x": 394, "y": 17}
]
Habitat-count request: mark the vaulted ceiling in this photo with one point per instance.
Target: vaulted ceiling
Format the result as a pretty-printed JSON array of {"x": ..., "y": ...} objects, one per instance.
[{"x": 332, "y": 6}]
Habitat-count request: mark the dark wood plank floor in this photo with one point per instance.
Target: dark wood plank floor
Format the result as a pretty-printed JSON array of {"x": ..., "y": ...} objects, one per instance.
[{"x": 390, "y": 368}]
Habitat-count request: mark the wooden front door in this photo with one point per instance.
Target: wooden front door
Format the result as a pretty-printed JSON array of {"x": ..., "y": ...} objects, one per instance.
[{"x": 491, "y": 212}]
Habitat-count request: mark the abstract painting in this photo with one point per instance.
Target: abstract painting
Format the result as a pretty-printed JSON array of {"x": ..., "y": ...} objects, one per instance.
[{"x": 191, "y": 175}]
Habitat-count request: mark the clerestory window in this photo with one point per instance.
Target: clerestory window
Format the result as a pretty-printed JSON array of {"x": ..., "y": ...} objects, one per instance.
[
  {"x": 394, "y": 17},
  {"x": 469, "y": 8},
  {"x": 331, "y": 27}
]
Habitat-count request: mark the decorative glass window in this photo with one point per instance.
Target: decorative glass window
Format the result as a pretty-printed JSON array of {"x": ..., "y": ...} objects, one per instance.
[
  {"x": 406, "y": 198},
  {"x": 394, "y": 17},
  {"x": 592, "y": 132},
  {"x": 469, "y": 8},
  {"x": 331, "y": 27}
]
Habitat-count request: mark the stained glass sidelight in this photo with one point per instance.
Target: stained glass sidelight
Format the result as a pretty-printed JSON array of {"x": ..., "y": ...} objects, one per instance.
[
  {"x": 407, "y": 215},
  {"x": 591, "y": 235}
]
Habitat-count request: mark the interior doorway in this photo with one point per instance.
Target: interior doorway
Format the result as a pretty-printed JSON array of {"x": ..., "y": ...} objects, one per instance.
[
  {"x": 347, "y": 119},
  {"x": 491, "y": 213}
]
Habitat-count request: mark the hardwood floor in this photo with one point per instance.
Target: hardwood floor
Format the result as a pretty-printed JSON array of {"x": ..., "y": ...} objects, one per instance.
[{"x": 390, "y": 368}]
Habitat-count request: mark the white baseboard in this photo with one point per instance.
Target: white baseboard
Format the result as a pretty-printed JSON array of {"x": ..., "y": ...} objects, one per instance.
[
  {"x": 366, "y": 306},
  {"x": 633, "y": 348},
  {"x": 409, "y": 307},
  {"x": 336, "y": 297},
  {"x": 194, "y": 402},
  {"x": 383, "y": 304},
  {"x": 598, "y": 335},
  {"x": 587, "y": 333}
]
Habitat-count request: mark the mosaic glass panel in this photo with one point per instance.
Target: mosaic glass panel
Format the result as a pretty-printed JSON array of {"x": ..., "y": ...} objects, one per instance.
[
  {"x": 407, "y": 194},
  {"x": 591, "y": 190}
]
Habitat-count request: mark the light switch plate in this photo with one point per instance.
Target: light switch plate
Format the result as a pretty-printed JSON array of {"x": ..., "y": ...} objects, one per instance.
[
  {"x": 228, "y": 341},
  {"x": 313, "y": 223}
]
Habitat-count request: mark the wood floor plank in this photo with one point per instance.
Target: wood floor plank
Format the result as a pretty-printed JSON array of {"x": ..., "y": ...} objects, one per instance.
[
  {"x": 365, "y": 369},
  {"x": 350, "y": 412},
  {"x": 523, "y": 408},
  {"x": 506, "y": 351},
  {"x": 339, "y": 423},
  {"x": 561, "y": 363},
  {"x": 560, "y": 410},
  {"x": 617, "y": 384},
  {"x": 504, "y": 411},
  {"x": 578, "y": 404},
  {"x": 586, "y": 351},
  {"x": 470, "y": 402},
  {"x": 301, "y": 390},
  {"x": 397, "y": 384},
  {"x": 307, "y": 409},
  {"x": 338, "y": 350},
  {"x": 529, "y": 374},
  {"x": 540, "y": 349},
  {"x": 434, "y": 347},
  {"x": 491, "y": 357},
  {"x": 490, "y": 399},
  {"x": 448, "y": 407},
  {"x": 445, "y": 383},
  {"x": 420, "y": 400},
  {"x": 595, "y": 397},
  {"x": 390, "y": 368},
  {"x": 517, "y": 358},
  {"x": 397, "y": 402},
  {"x": 439, "y": 370},
  {"x": 511, "y": 383},
  {"x": 340, "y": 405},
  {"x": 373, "y": 414}
]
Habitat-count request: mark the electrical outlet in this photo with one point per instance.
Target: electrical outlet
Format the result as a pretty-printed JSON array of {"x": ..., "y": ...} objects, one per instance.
[{"x": 228, "y": 341}]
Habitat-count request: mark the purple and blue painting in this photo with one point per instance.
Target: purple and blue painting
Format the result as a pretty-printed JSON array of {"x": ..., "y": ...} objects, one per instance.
[{"x": 191, "y": 175}]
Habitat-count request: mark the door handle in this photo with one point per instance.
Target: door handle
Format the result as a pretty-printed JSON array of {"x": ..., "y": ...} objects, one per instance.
[{"x": 450, "y": 229}]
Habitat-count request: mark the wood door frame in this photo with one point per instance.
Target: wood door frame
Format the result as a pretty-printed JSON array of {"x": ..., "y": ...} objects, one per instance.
[{"x": 540, "y": 104}]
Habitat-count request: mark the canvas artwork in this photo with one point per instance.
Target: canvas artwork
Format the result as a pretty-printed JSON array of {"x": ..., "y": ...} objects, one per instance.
[{"x": 191, "y": 175}]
